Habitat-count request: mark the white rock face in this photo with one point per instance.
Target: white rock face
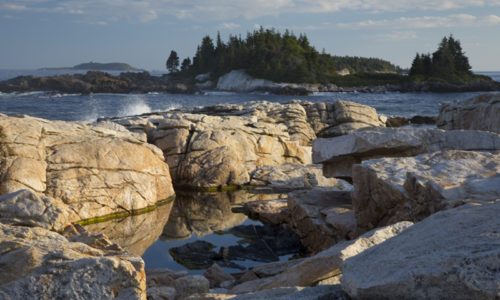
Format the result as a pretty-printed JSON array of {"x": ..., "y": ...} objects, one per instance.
[
  {"x": 453, "y": 254},
  {"x": 95, "y": 170},
  {"x": 389, "y": 190},
  {"x": 239, "y": 81},
  {"x": 36, "y": 263},
  {"x": 478, "y": 113},
  {"x": 338, "y": 154},
  {"x": 325, "y": 264}
]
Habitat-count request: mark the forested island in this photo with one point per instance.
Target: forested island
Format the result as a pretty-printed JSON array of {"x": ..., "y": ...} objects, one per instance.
[{"x": 268, "y": 54}]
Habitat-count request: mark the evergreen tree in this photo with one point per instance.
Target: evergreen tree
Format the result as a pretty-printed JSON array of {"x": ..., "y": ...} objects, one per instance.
[
  {"x": 173, "y": 62},
  {"x": 447, "y": 62},
  {"x": 186, "y": 63}
]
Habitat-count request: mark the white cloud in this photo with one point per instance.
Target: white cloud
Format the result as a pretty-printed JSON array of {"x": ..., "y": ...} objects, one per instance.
[
  {"x": 458, "y": 20},
  {"x": 395, "y": 36},
  {"x": 223, "y": 11},
  {"x": 228, "y": 25}
]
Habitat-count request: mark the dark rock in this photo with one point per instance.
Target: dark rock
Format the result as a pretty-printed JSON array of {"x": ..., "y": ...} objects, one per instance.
[
  {"x": 195, "y": 255},
  {"x": 265, "y": 243},
  {"x": 427, "y": 120},
  {"x": 397, "y": 122}
]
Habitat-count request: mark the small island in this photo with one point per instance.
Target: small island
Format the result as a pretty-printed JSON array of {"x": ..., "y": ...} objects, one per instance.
[{"x": 95, "y": 66}]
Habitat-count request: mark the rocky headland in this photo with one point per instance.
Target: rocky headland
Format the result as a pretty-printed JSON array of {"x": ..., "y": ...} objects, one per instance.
[{"x": 418, "y": 222}]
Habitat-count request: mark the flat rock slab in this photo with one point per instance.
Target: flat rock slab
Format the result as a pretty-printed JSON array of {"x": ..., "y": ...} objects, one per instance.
[
  {"x": 478, "y": 113},
  {"x": 453, "y": 254},
  {"x": 339, "y": 154},
  {"x": 389, "y": 190}
]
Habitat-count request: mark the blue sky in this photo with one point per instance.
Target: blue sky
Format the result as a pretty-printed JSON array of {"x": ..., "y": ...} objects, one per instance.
[{"x": 52, "y": 33}]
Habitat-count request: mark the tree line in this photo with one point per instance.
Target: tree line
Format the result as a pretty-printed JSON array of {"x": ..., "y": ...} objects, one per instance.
[
  {"x": 448, "y": 62},
  {"x": 268, "y": 54}
]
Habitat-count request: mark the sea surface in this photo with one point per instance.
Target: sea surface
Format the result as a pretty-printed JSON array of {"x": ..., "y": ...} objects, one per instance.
[{"x": 76, "y": 107}]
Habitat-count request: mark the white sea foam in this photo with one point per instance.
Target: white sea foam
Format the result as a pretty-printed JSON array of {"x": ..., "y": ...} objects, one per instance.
[{"x": 137, "y": 106}]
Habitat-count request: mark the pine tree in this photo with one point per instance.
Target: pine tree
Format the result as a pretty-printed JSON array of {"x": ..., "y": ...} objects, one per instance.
[{"x": 173, "y": 62}]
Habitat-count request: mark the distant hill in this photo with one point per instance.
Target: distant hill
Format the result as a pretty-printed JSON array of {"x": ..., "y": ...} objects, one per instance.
[{"x": 115, "y": 66}]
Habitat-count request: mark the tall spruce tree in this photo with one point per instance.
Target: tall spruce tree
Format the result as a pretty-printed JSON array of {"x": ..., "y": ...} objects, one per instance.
[{"x": 172, "y": 62}]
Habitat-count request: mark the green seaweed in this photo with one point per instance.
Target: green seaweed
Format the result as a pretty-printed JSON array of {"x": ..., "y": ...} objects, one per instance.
[{"x": 123, "y": 214}]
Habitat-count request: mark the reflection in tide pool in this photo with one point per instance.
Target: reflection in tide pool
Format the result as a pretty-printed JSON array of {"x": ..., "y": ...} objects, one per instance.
[
  {"x": 191, "y": 217},
  {"x": 135, "y": 233}
]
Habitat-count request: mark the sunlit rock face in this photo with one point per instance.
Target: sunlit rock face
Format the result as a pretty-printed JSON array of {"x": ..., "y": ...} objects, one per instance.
[
  {"x": 135, "y": 233},
  {"x": 95, "y": 170},
  {"x": 222, "y": 145}
]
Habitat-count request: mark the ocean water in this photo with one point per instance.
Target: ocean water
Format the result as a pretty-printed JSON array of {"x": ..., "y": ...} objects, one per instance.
[{"x": 75, "y": 107}]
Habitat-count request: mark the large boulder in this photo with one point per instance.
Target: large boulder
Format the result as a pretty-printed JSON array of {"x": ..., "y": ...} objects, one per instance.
[
  {"x": 339, "y": 154},
  {"x": 222, "y": 145},
  {"x": 94, "y": 171},
  {"x": 390, "y": 190},
  {"x": 478, "y": 113},
  {"x": 452, "y": 254},
  {"x": 36, "y": 263}
]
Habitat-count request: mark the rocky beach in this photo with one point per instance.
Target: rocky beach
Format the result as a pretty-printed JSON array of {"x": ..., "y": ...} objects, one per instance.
[{"x": 376, "y": 211}]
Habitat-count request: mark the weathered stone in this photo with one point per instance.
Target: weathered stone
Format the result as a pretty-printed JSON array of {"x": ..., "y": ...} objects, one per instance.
[
  {"x": 216, "y": 275},
  {"x": 25, "y": 207},
  {"x": 223, "y": 144},
  {"x": 340, "y": 117},
  {"x": 308, "y": 220},
  {"x": 36, "y": 263},
  {"x": 478, "y": 113},
  {"x": 325, "y": 264},
  {"x": 189, "y": 285},
  {"x": 339, "y": 154},
  {"x": 453, "y": 254},
  {"x": 268, "y": 211},
  {"x": 389, "y": 190},
  {"x": 161, "y": 293},
  {"x": 96, "y": 171},
  {"x": 332, "y": 292},
  {"x": 294, "y": 176}
]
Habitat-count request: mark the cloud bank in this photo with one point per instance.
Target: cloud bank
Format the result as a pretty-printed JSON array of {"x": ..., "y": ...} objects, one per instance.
[{"x": 223, "y": 11}]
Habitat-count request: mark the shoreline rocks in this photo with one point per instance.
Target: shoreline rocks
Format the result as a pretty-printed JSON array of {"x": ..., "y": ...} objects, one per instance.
[{"x": 222, "y": 145}]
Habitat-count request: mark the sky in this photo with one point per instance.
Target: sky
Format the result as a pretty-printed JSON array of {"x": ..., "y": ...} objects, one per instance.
[{"x": 53, "y": 33}]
